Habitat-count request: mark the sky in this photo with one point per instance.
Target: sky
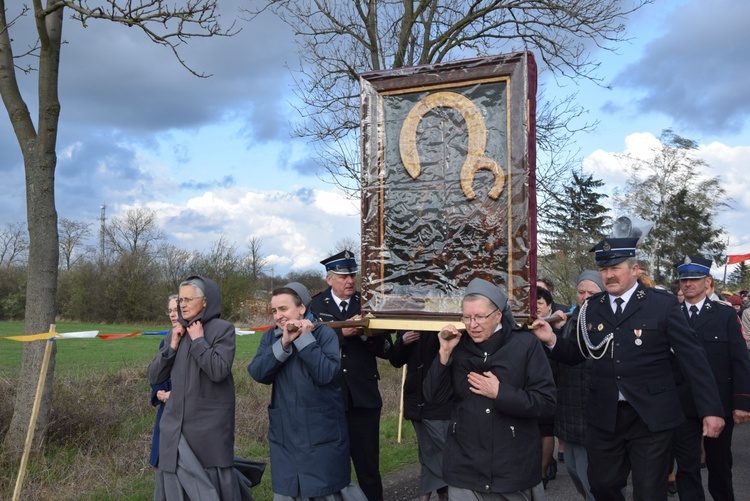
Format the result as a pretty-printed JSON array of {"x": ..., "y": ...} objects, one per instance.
[{"x": 216, "y": 156}]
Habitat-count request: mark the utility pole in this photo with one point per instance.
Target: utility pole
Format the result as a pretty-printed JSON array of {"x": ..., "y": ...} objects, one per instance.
[{"x": 102, "y": 230}]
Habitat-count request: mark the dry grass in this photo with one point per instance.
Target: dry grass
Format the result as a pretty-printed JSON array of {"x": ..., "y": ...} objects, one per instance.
[{"x": 99, "y": 439}]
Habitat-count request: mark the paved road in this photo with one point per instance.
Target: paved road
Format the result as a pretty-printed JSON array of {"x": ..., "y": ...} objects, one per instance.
[{"x": 561, "y": 488}]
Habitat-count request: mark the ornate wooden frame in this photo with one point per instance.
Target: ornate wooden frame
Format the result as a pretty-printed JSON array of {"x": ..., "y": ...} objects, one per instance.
[{"x": 470, "y": 212}]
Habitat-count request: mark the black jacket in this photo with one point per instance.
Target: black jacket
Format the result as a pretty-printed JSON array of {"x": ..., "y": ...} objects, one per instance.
[
  {"x": 572, "y": 388},
  {"x": 418, "y": 357},
  {"x": 717, "y": 329},
  {"x": 359, "y": 367},
  {"x": 494, "y": 445},
  {"x": 641, "y": 372}
]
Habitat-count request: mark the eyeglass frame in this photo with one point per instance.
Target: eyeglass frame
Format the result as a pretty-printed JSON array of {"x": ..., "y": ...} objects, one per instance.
[
  {"x": 479, "y": 319},
  {"x": 183, "y": 300},
  {"x": 170, "y": 311}
]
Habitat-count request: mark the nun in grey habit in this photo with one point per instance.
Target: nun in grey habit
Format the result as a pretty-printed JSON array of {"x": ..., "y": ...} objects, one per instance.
[{"x": 196, "y": 447}]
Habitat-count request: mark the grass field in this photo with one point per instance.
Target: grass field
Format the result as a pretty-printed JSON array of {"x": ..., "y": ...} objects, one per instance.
[{"x": 100, "y": 436}]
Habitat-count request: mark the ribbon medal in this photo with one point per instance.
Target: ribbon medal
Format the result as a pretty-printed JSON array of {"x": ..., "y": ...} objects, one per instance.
[{"x": 638, "y": 340}]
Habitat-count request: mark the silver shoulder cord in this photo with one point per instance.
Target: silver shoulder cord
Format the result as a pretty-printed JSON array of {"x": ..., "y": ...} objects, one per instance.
[{"x": 582, "y": 332}]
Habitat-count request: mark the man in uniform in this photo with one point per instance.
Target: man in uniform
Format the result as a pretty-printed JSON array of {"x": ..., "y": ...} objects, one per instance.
[
  {"x": 630, "y": 331},
  {"x": 359, "y": 369},
  {"x": 718, "y": 330}
]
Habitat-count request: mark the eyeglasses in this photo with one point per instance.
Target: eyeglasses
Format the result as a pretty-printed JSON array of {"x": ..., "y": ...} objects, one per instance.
[
  {"x": 477, "y": 318},
  {"x": 171, "y": 310},
  {"x": 184, "y": 300}
]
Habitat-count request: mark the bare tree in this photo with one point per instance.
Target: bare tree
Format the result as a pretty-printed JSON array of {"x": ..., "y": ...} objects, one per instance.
[
  {"x": 339, "y": 40},
  {"x": 135, "y": 232},
  {"x": 13, "y": 245},
  {"x": 167, "y": 23},
  {"x": 73, "y": 234},
  {"x": 256, "y": 262},
  {"x": 175, "y": 264}
]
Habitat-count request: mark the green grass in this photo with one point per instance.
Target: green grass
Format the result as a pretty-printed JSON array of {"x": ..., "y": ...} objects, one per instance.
[{"x": 100, "y": 438}]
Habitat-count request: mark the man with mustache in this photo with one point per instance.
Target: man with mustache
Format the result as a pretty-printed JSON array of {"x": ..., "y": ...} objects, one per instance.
[{"x": 629, "y": 332}]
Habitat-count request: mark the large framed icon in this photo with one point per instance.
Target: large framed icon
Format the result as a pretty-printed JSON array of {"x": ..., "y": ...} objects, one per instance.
[{"x": 448, "y": 184}]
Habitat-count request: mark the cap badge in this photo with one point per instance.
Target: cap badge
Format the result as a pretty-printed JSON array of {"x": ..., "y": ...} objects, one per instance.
[
  {"x": 606, "y": 247},
  {"x": 687, "y": 260}
]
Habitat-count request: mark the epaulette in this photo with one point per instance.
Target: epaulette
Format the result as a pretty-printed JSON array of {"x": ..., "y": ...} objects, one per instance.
[{"x": 664, "y": 292}]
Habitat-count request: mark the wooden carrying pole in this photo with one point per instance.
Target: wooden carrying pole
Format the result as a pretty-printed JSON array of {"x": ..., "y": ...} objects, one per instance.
[{"x": 34, "y": 415}]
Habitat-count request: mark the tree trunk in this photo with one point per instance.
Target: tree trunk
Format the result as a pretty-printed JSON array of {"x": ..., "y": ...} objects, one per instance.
[{"x": 40, "y": 160}]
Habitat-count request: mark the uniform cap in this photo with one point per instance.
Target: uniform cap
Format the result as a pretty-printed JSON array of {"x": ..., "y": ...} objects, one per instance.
[
  {"x": 612, "y": 251},
  {"x": 693, "y": 267},
  {"x": 342, "y": 263}
]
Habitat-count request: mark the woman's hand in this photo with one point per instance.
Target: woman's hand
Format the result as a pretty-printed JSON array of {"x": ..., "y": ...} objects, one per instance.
[
  {"x": 195, "y": 330},
  {"x": 177, "y": 333},
  {"x": 447, "y": 345},
  {"x": 302, "y": 326},
  {"x": 410, "y": 337},
  {"x": 163, "y": 396}
]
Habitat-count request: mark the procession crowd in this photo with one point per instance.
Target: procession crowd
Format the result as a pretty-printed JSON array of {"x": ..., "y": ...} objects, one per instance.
[{"x": 634, "y": 380}]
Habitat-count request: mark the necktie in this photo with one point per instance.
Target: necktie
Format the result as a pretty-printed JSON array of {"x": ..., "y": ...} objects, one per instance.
[
  {"x": 343, "y": 308},
  {"x": 693, "y": 314},
  {"x": 618, "y": 311}
]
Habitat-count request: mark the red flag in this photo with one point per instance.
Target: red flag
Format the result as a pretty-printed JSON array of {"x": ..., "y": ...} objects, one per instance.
[{"x": 737, "y": 258}]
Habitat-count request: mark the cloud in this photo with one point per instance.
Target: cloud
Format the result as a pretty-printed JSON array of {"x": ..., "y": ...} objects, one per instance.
[
  {"x": 696, "y": 72},
  {"x": 728, "y": 163},
  {"x": 296, "y": 229}
]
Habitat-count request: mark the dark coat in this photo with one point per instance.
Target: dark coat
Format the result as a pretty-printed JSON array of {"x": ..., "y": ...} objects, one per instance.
[
  {"x": 494, "y": 445},
  {"x": 418, "y": 357},
  {"x": 307, "y": 430},
  {"x": 153, "y": 460},
  {"x": 201, "y": 405},
  {"x": 572, "y": 388},
  {"x": 717, "y": 329},
  {"x": 359, "y": 367},
  {"x": 641, "y": 372}
]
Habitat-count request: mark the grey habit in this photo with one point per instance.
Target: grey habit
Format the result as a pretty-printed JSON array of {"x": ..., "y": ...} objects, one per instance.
[{"x": 197, "y": 426}]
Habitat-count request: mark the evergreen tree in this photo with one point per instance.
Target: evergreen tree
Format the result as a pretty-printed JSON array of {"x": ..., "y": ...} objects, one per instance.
[
  {"x": 576, "y": 223},
  {"x": 740, "y": 276}
]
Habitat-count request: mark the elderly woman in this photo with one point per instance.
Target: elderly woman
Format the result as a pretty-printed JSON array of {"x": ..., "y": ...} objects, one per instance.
[
  {"x": 500, "y": 383},
  {"x": 196, "y": 446},
  {"x": 307, "y": 425},
  {"x": 572, "y": 391},
  {"x": 159, "y": 396}
]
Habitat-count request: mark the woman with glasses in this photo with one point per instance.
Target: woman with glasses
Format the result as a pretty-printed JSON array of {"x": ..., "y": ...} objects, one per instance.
[
  {"x": 159, "y": 396},
  {"x": 499, "y": 382},
  {"x": 196, "y": 443}
]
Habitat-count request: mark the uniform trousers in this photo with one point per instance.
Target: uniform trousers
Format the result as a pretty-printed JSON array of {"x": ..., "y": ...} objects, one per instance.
[
  {"x": 631, "y": 447},
  {"x": 364, "y": 441},
  {"x": 686, "y": 447},
  {"x": 719, "y": 463},
  {"x": 687, "y": 453}
]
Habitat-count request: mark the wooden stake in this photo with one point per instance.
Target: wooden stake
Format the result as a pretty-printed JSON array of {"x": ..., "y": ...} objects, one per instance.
[
  {"x": 401, "y": 405},
  {"x": 34, "y": 416}
]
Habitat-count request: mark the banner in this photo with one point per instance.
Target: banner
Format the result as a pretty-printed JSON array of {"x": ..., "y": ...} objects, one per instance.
[{"x": 737, "y": 258}]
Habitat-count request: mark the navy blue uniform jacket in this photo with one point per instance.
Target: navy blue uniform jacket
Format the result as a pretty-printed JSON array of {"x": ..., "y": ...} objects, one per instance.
[
  {"x": 718, "y": 330},
  {"x": 359, "y": 367},
  {"x": 642, "y": 373}
]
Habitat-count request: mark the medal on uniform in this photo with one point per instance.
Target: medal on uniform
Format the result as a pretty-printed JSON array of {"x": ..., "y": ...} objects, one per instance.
[
  {"x": 600, "y": 327},
  {"x": 638, "y": 340}
]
